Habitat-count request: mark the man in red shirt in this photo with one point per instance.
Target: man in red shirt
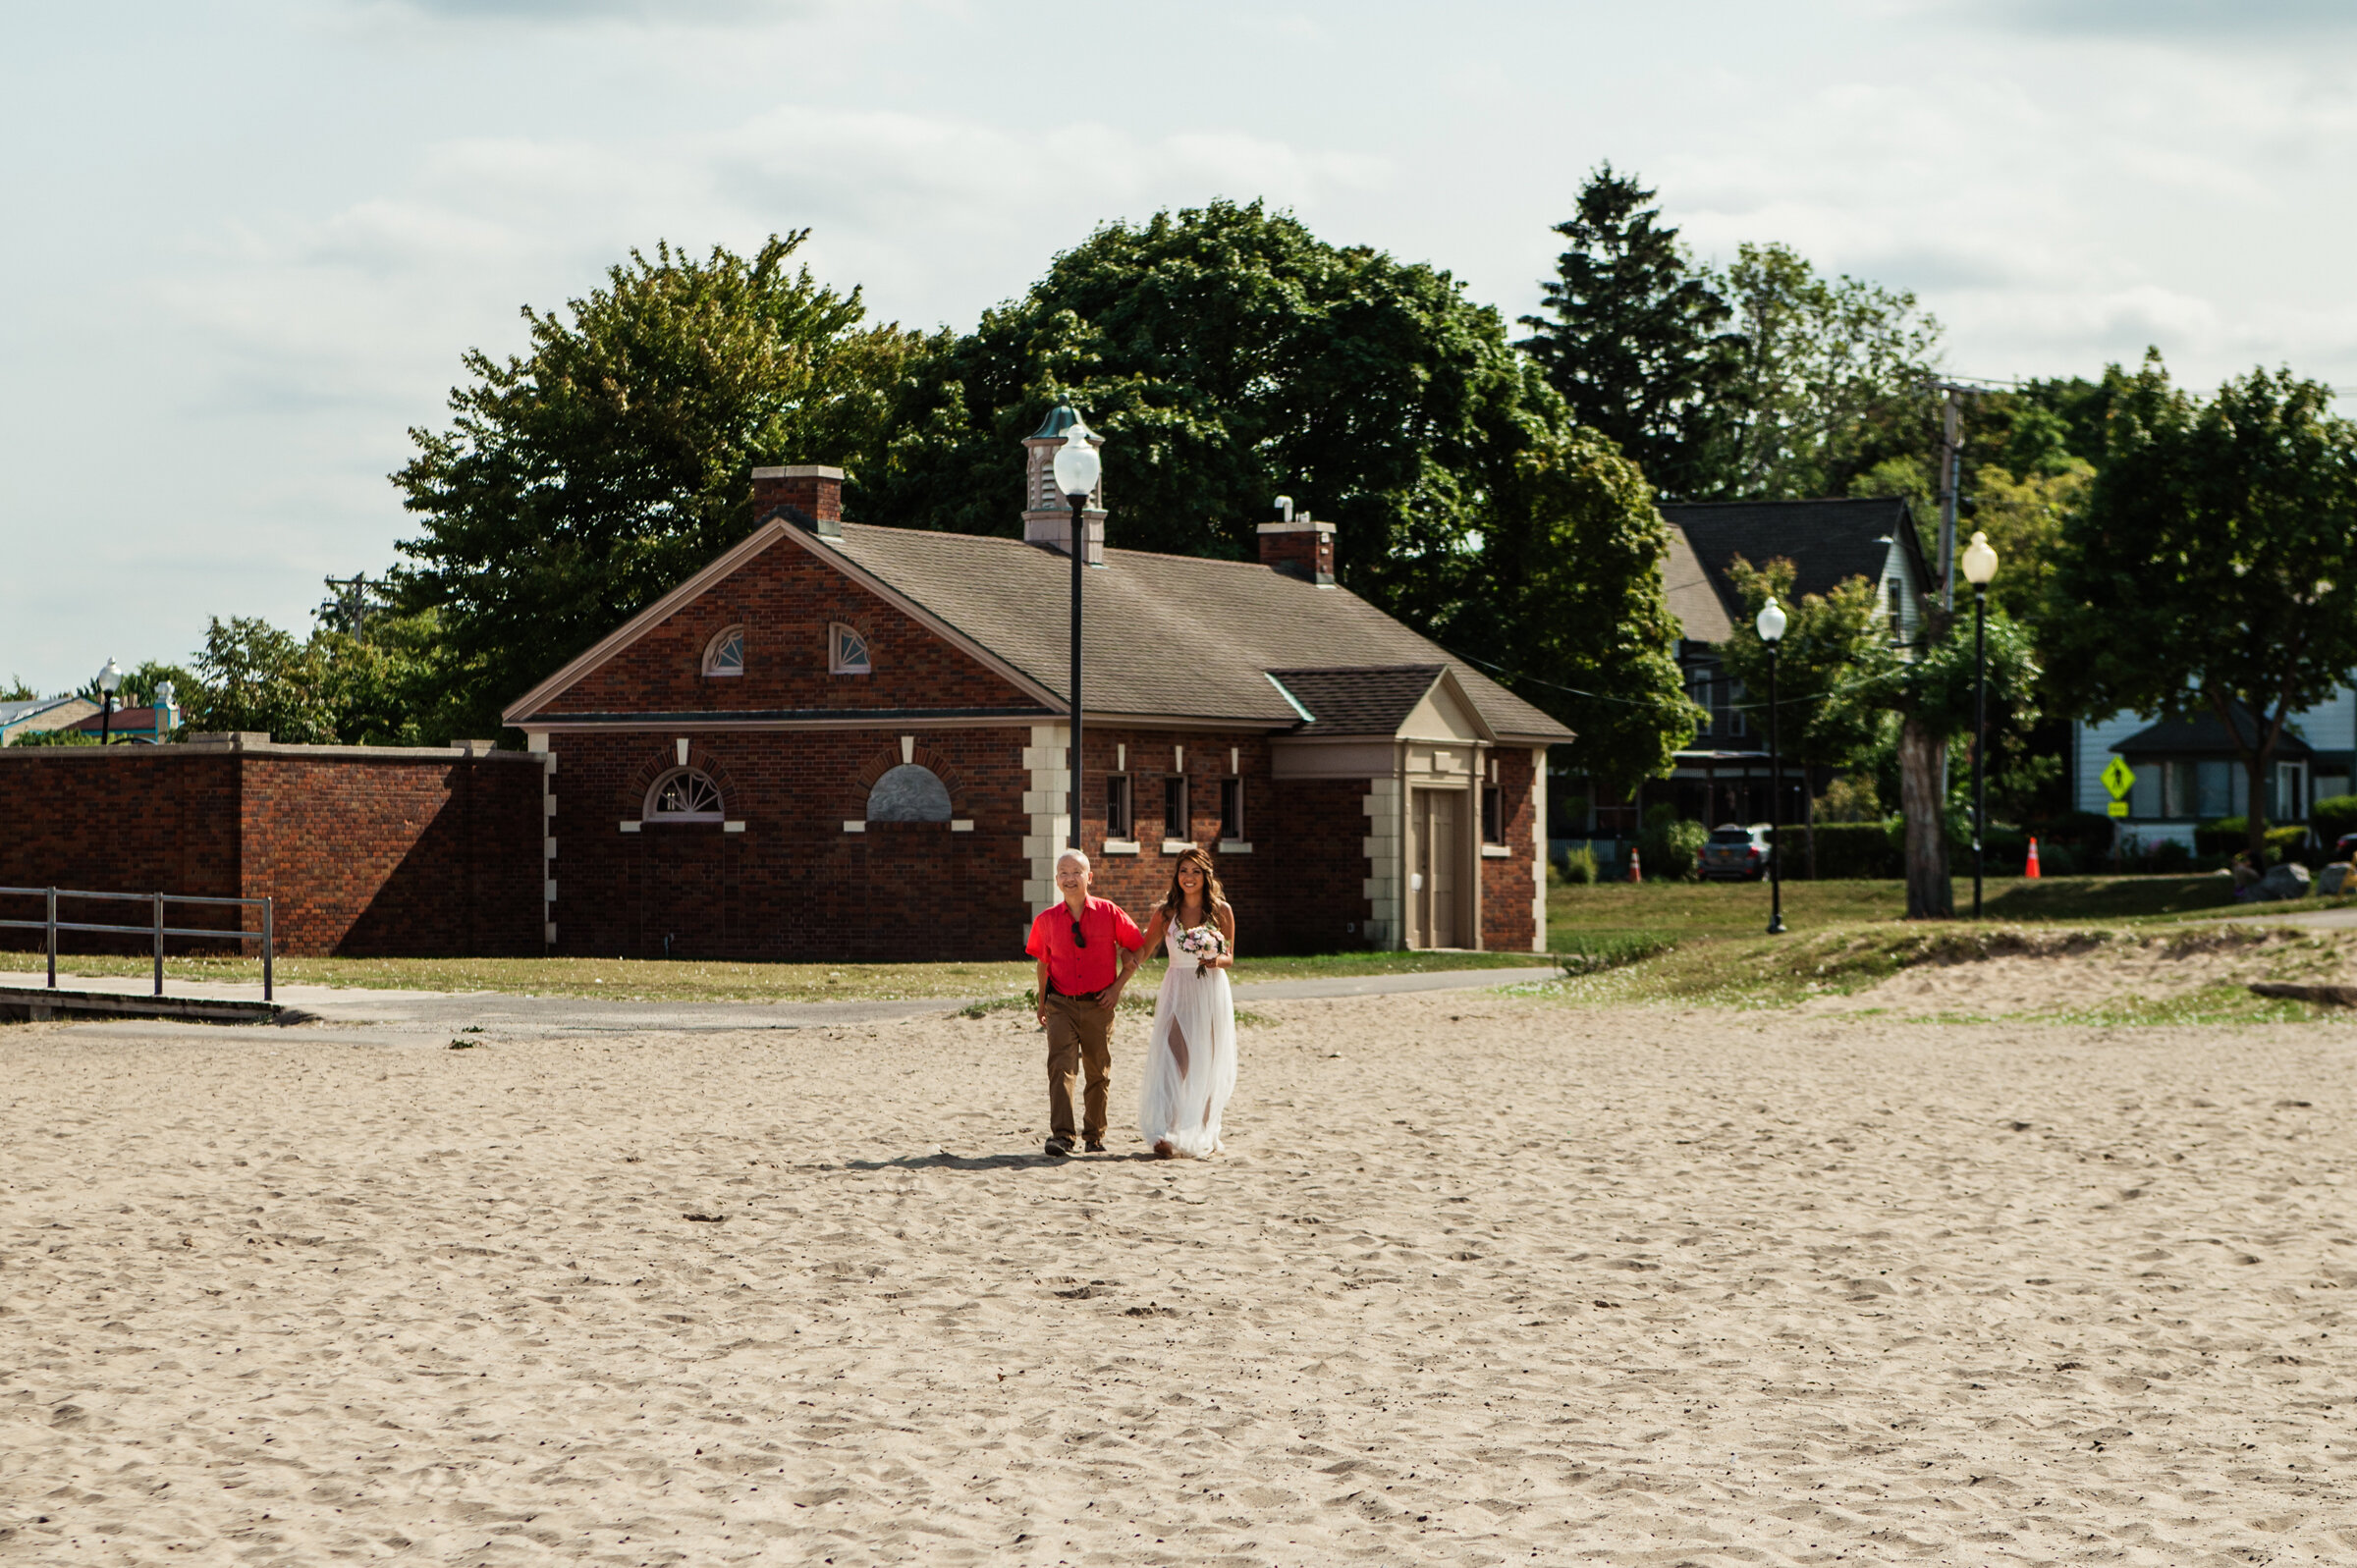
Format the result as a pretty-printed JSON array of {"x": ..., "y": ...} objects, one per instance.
[{"x": 1081, "y": 945}]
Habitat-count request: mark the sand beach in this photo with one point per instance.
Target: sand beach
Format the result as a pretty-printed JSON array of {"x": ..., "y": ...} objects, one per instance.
[{"x": 1484, "y": 1279}]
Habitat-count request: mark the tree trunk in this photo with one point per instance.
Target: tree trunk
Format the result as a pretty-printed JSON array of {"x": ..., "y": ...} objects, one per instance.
[{"x": 1920, "y": 754}]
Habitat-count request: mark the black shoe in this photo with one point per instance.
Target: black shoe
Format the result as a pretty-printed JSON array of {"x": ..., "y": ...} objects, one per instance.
[
  {"x": 1096, "y": 1146},
  {"x": 1059, "y": 1146}
]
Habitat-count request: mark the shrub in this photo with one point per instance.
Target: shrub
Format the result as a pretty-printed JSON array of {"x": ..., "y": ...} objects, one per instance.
[
  {"x": 1850, "y": 800},
  {"x": 2227, "y": 834},
  {"x": 2333, "y": 817},
  {"x": 1579, "y": 866},
  {"x": 1669, "y": 845}
]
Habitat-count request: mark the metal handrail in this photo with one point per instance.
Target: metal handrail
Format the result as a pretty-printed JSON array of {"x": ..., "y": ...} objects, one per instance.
[{"x": 156, "y": 928}]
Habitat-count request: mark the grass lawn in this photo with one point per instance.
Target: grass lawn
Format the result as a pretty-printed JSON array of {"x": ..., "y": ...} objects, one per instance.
[
  {"x": 690, "y": 980},
  {"x": 1685, "y": 910}
]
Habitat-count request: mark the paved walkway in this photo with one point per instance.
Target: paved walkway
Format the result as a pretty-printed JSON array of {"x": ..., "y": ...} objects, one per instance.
[{"x": 441, "y": 1013}]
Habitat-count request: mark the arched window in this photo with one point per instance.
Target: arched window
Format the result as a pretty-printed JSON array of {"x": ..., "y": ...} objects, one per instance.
[
  {"x": 846, "y": 651},
  {"x": 723, "y": 654},
  {"x": 683, "y": 795},
  {"x": 908, "y": 792}
]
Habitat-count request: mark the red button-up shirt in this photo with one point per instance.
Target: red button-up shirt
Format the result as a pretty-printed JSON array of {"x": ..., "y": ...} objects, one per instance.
[{"x": 1080, "y": 971}]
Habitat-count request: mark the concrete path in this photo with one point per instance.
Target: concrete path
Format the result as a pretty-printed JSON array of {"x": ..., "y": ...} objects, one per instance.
[{"x": 443, "y": 1014}]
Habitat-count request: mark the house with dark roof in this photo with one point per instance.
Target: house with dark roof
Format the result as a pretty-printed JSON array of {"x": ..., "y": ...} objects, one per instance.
[
  {"x": 1724, "y": 775},
  {"x": 843, "y": 742},
  {"x": 2189, "y": 771}
]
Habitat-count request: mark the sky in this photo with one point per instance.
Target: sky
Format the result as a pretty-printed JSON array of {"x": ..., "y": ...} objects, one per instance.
[{"x": 250, "y": 242}]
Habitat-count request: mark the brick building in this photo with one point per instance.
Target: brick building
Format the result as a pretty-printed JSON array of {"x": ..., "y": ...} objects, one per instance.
[
  {"x": 848, "y": 742},
  {"x": 372, "y": 851}
]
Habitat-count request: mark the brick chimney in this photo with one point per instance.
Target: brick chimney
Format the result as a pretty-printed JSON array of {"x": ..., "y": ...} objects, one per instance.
[
  {"x": 809, "y": 495},
  {"x": 1299, "y": 548}
]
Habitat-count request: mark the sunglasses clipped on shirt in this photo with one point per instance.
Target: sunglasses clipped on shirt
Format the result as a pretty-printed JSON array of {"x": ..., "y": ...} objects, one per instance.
[{"x": 1079, "y": 937}]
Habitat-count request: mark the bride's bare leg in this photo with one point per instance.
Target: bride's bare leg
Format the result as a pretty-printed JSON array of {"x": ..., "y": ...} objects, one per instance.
[{"x": 1163, "y": 1149}]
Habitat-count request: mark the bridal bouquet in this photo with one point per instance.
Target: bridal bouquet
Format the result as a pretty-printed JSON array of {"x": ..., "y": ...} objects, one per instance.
[{"x": 1203, "y": 944}]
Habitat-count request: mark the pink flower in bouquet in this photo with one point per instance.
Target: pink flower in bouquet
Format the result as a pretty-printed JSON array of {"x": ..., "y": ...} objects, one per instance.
[{"x": 1203, "y": 944}]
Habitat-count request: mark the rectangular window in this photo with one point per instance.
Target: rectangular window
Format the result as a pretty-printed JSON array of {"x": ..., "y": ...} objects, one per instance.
[
  {"x": 2213, "y": 793},
  {"x": 1493, "y": 814},
  {"x": 1735, "y": 694},
  {"x": 2175, "y": 791},
  {"x": 1116, "y": 806},
  {"x": 1174, "y": 808},
  {"x": 1698, "y": 692},
  {"x": 1231, "y": 808}
]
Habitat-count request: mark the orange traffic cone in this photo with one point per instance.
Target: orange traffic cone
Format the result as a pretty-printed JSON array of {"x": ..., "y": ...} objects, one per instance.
[
  {"x": 2030, "y": 872},
  {"x": 1636, "y": 867}
]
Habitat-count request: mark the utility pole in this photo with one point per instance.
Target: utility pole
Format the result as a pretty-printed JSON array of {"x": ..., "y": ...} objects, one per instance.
[
  {"x": 1951, "y": 454},
  {"x": 351, "y": 598}
]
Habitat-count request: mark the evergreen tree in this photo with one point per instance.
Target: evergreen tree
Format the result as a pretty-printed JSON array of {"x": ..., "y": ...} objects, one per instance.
[{"x": 1631, "y": 333}]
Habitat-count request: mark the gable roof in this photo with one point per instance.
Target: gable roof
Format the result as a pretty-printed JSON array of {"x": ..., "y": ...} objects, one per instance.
[
  {"x": 1829, "y": 541},
  {"x": 1357, "y": 702},
  {"x": 2203, "y": 735},
  {"x": 1164, "y": 636}
]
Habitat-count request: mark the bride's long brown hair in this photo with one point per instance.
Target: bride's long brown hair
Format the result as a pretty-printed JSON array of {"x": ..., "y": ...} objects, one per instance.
[{"x": 1174, "y": 900}]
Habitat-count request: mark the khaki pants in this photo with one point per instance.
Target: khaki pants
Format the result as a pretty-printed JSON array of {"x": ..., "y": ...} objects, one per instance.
[{"x": 1079, "y": 1034}]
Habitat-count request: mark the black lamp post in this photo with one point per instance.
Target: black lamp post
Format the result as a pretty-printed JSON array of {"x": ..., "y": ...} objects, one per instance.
[
  {"x": 1076, "y": 470},
  {"x": 1771, "y": 627},
  {"x": 1980, "y": 565},
  {"x": 110, "y": 680}
]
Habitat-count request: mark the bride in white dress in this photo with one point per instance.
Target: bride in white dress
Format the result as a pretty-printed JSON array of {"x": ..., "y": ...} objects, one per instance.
[{"x": 1190, "y": 1059}]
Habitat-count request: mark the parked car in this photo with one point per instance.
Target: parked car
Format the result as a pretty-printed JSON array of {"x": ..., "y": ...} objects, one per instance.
[{"x": 1734, "y": 853}]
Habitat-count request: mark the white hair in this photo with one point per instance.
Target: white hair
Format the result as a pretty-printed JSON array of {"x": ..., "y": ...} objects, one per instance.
[{"x": 1072, "y": 854}]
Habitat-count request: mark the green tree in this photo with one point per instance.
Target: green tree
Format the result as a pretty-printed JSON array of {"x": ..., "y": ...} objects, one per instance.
[
  {"x": 1632, "y": 335},
  {"x": 2215, "y": 563},
  {"x": 1829, "y": 378},
  {"x": 2024, "y": 520},
  {"x": 580, "y": 482},
  {"x": 259, "y": 677},
  {"x": 1933, "y": 695},
  {"x": 1574, "y": 549},
  {"x": 1228, "y": 356},
  {"x": 1830, "y": 666},
  {"x": 18, "y": 691}
]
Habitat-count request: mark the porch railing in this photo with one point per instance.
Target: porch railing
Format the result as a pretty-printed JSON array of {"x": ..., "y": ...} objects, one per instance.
[{"x": 50, "y": 925}]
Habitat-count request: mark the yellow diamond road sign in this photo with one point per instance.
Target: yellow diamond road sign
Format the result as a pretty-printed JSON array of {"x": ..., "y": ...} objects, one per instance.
[{"x": 2118, "y": 777}]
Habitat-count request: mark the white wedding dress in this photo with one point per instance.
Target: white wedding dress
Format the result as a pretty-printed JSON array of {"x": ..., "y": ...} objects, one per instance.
[{"x": 1191, "y": 1058}]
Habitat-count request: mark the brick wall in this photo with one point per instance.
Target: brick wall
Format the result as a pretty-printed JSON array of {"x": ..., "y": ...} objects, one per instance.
[
  {"x": 792, "y": 884},
  {"x": 384, "y": 852},
  {"x": 1506, "y": 888},
  {"x": 1325, "y": 906},
  {"x": 786, "y": 599},
  {"x": 419, "y": 856}
]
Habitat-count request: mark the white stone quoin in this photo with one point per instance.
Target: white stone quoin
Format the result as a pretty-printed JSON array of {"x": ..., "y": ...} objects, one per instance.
[{"x": 1048, "y": 802}]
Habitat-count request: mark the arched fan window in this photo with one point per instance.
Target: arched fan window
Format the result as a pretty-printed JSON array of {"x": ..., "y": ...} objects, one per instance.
[
  {"x": 683, "y": 795},
  {"x": 910, "y": 792},
  {"x": 846, "y": 651},
  {"x": 723, "y": 654}
]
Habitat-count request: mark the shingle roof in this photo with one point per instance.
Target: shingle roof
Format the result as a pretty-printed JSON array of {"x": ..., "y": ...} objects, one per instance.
[
  {"x": 1828, "y": 541},
  {"x": 1174, "y": 635},
  {"x": 2204, "y": 736},
  {"x": 1358, "y": 702}
]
